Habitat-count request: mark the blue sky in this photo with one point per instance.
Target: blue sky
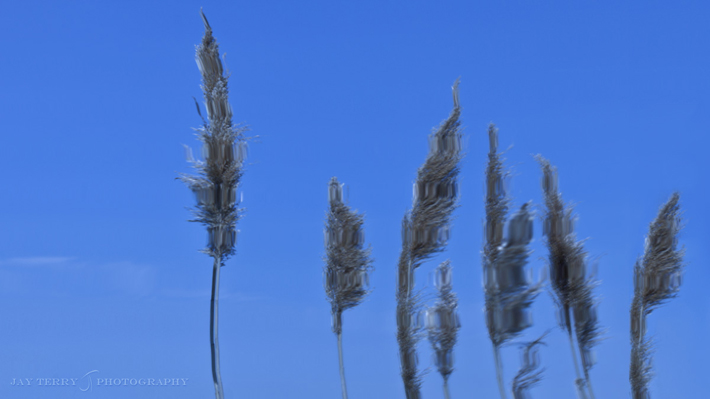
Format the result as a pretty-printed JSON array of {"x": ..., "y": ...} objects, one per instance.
[{"x": 99, "y": 269}]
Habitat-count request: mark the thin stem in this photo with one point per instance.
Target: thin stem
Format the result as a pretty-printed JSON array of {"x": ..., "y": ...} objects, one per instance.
[
  {"x": 568, "y": 324},
  {"x": 214, "y": 320},
  {"x": 576, "y": 365},
  {"x": 406, "y": 337},
  {"x": 447, "y": 395},
  {"x": 342, "y": 367},
  {"x": 499, "y": 371},
  {"x": 588, "y": 382},
  {"x": 638, "y": 331}
]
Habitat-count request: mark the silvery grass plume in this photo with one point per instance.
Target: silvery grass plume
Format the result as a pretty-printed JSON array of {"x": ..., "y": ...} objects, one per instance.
[
  {"x": 215, "y": 186},
  {"x": 530, "y": 372},
  {"x": 347, "y": 263},
  {"x": 442, "y": 323},
  {"x": 657, "y": 278},
  {"x": 571, "y": 283},
  {"x": 509, "y": 291},
  {"x": 425, "y": 231}
]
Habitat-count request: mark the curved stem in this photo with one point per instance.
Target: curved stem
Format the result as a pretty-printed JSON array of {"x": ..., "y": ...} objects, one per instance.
[
  {"x": 580, "y": 381},
  {"x": 639, "y": 390},
  {"x": 499, "y": 371},
  {"x": 214, "y": 321},
  {"x": 587, "y": 381},
  {"x": 406, "y": 339},
  {"x": 342, "y": 367}
]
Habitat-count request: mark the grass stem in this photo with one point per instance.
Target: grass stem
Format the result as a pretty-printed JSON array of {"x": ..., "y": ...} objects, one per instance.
[
  {"x": 579, "y": 382},
  {"x": 214, "y": 338},
  {"x": 342, "y": 367},
  {"x": 587, "y": 381},
  {"x": 499, "y": 371}
]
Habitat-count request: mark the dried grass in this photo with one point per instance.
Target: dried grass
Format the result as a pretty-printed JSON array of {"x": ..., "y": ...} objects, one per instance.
[
  {"x": 347, "y": 263},
  {"x": 572, "y": 284},
  {"x": 657, "y": 279},
  {"x": 508, "y": 288},
  {"x": 425, "y": 231},
  {"x": 215, "y": 186},
  {"x": 442, "y": 323}
]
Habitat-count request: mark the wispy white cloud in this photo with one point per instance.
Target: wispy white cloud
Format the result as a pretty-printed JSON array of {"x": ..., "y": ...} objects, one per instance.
[
  {"x": 62, "y": 276},
  {"x": 37, "y": 261},
  {"x": 128, "y": 277}
]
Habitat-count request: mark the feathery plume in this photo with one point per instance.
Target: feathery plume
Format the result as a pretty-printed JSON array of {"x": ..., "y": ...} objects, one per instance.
[
  {"x": 425, "y": 231},
  {"x": 586, "y": 327},
  {"x": 442, "y": 322},
  {"x": 530, "y": 372},
  {"x": 347, "y": 263},
  {"x": 509, "y": 291},
  {"x": 215, "y": 186},
  {"x": 657, "y": 278},
  {"x": 570, "y": 281},
  {"x": 515, "y": 291}
]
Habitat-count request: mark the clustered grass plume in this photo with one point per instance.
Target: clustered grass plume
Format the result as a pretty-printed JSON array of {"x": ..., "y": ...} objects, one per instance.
[
  {"x": 570, "y": 281},
  {"x": 530, "y": 372},
  {"x": 215, "y": 186},
  {"x": 442, "y": 323},
  {"x": 515, "y": 291},
  {"x": 425, "y": 231},
  {"x": 347, "y": 263},
  {"x": 509, "y": 291},
  {"x": 657, "y": 278},
  {"x": 224, "y": 150}
]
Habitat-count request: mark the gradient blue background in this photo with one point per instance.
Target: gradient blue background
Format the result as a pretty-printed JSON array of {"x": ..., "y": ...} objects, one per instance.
[{"x": 99, "y": 269}]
